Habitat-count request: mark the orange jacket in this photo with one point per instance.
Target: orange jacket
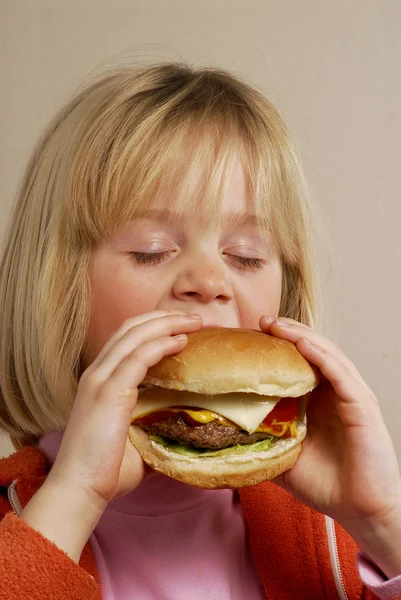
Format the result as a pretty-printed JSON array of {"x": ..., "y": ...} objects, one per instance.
[{"x": 289, "y": 542}]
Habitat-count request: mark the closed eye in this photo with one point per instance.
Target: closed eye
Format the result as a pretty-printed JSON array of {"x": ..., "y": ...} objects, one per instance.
[
  {"x": 150, "y": 258},
  {"x": 246, "y": 262}
]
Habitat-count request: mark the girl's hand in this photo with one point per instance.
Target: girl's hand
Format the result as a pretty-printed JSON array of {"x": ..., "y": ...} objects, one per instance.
[
  {"x": 96, "y": 462},
  {"x": 96, "y": 455},
  {"x": 348, "y": 467}
]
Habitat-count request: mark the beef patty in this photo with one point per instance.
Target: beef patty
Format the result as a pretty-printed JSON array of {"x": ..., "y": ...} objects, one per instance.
[{"x": 212, "y": 435}]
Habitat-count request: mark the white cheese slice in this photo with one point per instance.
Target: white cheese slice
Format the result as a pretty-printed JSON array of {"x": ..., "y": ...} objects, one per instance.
[{"x": 246, "y": 410}]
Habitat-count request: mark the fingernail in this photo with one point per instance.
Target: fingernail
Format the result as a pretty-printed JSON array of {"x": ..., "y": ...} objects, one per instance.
[
  {"x": 182, "y": 337},
  {"x": 268, "y": 319},
  {"x": 194, "y": 316},
  {"x": 282, "y": 323}
]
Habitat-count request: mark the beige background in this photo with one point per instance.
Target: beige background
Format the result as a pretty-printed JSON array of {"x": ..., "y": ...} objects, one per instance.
[{"x": 332, "y": 66}]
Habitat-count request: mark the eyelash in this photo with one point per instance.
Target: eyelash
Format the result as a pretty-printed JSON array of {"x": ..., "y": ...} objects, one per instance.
[
  {"x": 248, "y": 263},
  {"x": 146, "y": 258}
]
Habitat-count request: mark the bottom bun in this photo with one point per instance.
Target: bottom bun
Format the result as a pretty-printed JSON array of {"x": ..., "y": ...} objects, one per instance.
[{"x": 231, "y": 471}]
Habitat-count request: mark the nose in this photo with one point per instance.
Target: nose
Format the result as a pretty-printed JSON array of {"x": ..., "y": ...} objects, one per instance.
[{"x": 204, "y": 283}]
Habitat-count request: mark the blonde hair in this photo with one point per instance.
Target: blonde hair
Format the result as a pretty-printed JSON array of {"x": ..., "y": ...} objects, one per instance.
[{"x": 128, "y": 138}]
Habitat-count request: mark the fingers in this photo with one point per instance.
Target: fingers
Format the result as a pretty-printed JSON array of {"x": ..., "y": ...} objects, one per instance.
[
  {"x": 127, "y": 325},
  {"x": 266, "y": 322},
  {"x": 349, "y": 388},
  {"x": 293, "y": 331},
  {"x": 117, "y": 374},
  {"x": 122, "y": 386},
  {"x": 131, "y": 337}
]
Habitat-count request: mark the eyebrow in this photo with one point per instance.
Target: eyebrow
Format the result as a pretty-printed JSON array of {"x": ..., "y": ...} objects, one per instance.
[{"x": 236, "y": 220}]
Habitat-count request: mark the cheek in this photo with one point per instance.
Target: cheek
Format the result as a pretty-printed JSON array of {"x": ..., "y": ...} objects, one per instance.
[
  {"x": 117, "y": 296},
  {"x": 261, "y": 296}
]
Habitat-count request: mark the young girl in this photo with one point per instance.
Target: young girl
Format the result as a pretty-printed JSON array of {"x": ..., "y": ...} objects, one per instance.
[{"x": 161, "y": 200}]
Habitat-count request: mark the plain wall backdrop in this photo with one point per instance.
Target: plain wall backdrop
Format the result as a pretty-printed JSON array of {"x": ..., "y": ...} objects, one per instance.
[{"x": 331, "y": 66}]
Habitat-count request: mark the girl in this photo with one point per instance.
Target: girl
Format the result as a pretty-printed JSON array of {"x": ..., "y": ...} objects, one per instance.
[{"x": 161, "y": 200}]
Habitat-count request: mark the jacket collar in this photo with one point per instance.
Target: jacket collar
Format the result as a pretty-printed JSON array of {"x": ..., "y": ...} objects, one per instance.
[{"x": 28, "y": 461}]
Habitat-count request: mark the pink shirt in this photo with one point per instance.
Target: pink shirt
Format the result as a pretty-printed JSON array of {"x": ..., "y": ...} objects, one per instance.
[{"x": 170, "y": 541}]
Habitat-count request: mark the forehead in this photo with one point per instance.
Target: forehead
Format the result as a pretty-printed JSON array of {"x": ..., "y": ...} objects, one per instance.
[{"x": 233, "y": 202}]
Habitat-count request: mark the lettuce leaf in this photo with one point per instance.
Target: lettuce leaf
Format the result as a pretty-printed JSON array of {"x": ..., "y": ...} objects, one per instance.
[{"x": 192, "y": 451}]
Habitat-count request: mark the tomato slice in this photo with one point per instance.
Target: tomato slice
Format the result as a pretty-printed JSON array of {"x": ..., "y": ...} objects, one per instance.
[
  {"x": 284, "y": 411},
  {"x": 154, "y": 417},
  {"x": 162, "y": 415}
]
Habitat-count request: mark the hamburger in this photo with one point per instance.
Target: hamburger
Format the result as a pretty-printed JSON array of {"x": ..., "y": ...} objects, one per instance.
[{"x": 227, "y": 411}]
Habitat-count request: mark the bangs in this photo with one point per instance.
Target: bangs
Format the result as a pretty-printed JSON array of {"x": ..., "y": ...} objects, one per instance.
[{"x": 173, "y": 150}]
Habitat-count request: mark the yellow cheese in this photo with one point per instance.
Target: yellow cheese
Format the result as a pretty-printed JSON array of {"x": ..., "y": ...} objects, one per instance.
[{"x": 202, "y": 416}]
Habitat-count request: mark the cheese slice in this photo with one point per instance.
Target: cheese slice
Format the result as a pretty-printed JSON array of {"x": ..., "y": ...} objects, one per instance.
[{"x": 246, "y": 410}]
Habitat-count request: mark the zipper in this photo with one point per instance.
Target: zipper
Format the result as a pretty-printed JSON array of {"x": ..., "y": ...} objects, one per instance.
[
  {"x": 334, "y": 558},
  {"x": 13, "y": 498}
]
